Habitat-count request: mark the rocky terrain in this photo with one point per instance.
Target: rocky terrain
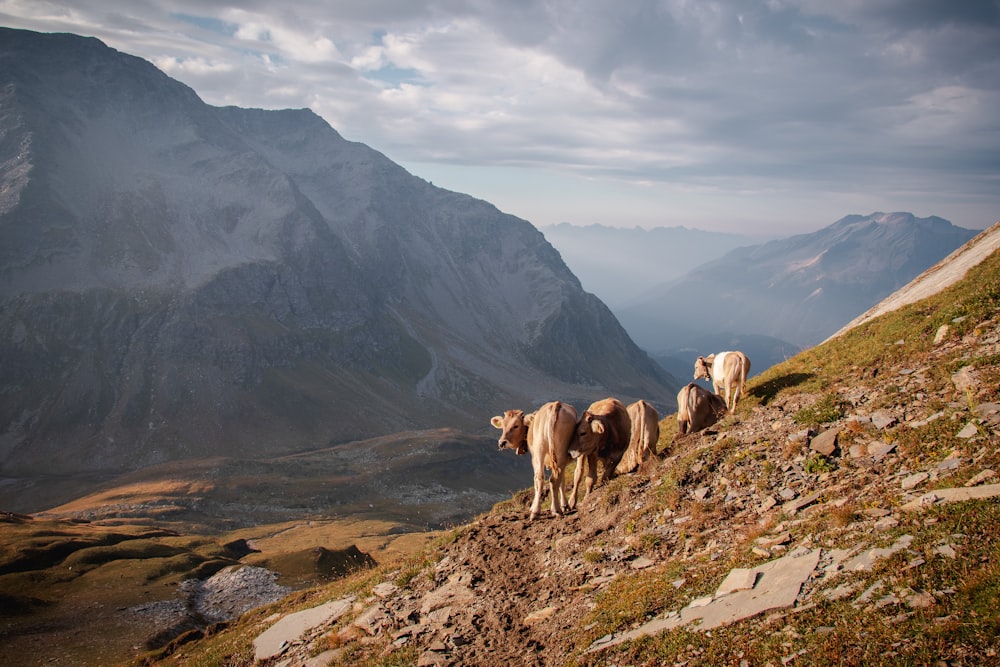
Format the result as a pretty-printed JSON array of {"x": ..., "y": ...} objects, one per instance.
[{"x": 842, "y": 515}]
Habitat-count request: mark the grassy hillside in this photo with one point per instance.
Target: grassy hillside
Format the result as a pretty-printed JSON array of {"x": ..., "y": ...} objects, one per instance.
[{"x": 912, "y": 408}]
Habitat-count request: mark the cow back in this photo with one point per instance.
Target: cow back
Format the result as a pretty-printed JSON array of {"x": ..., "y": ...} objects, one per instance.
[
  {"x": 644, "y": 425},
  {"x": 619, "y": 426},
  {"x": 551, "y": 430}
]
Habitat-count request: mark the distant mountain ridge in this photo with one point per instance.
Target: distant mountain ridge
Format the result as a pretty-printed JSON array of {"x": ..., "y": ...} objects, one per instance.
[
  {"x": 620, "y": 265},
  {"x": 182, "y": 280},
  {"x": 800, "y": 289}
]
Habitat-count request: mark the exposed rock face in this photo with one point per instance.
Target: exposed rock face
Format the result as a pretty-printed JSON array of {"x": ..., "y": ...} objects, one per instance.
[{"x": 181, "y": 280}]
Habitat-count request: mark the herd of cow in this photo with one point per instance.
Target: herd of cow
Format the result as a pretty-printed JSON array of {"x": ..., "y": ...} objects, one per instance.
[{"x": 620, "y": 437}]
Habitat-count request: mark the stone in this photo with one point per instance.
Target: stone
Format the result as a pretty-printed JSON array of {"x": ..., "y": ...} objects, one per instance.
[
  {"x": 738, "y": 579},
  {"x": 981, "y": 477},
  {"x": 792, "y": 507},
  {"x": 945, "y": 550},
  {"x": 950, "y": 463},
  {"x": 372, "y": 620},
  {"x": 857, "y": 451},
  {"x": 886, "y": 523},
  {"x": 787, "y": 494},
  {"x": 641, "y": 563},
  {"x": 953, "y": 495},
  {"x": 879, "y": 450},
  {"x": 767, "y": 504},
  {"x": 540, "y": 615},
  {"x": 882, "y": 419},
  {"x": 826, "y": 442},
  {"x": 777, "y": 585},
  {"x": 273, "y": 641},
  {"x": 385, "y": 589},
  {"x": 864, "y": 561},
  {"x": 965, "y": 379},
  {"x": 942, "y": 334},
  {"x": 702, "y": 492},
  {"x": 913, "y": 481},
  {"x": 927, "y": 420},
  {"x": 454, "y": 592},
  {"x": 968, "y": 431}
]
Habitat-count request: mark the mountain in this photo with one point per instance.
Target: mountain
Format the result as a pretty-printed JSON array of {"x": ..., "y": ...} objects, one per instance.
[
  {"x": 800, "y": 289},
  {"x": 845, "y": 514},
  {"x": 179, "y": 280},
  {"x": 619, "y": 265}
]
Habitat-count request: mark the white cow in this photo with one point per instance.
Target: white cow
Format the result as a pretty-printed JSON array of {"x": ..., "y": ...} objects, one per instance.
[{"x": 727, "y": 370}]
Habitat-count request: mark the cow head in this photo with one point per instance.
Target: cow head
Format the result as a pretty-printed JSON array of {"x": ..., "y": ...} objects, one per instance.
[
  {"x": 513, "y": 427},
  {"x": 589, "y": 436},
  {"x": 703, "y": 368}
]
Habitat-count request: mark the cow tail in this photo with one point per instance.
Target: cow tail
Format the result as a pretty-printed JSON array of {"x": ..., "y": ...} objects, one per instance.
[{"x": 550, "y": 460}]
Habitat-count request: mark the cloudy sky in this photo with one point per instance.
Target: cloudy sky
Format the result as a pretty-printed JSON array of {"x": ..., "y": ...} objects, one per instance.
[{"x": 761, "y": 117}]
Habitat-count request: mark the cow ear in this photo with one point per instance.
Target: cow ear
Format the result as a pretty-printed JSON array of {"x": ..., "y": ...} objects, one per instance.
[
  {"x": 597, "y": 426},
  {"x": 497, "y": 421},
  {"x": 530, "y": 418}
]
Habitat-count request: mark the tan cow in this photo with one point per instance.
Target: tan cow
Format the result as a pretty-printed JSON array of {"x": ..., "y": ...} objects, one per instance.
[
  {"x": 645, "y": 432},
  {"x": 546, "y": 434},
  {"x": 698, "y": 408},
  {"x": 602, "y": 433},
  {"x": 727, "y": 370}
]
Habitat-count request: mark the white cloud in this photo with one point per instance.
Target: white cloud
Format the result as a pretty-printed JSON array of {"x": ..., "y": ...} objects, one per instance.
[{"x": 803, "y": 107}]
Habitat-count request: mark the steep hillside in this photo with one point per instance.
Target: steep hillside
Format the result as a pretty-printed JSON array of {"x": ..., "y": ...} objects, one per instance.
[
  {"x": 840, "y": 516},
  {"x": 799, "y": 289},
  {"x": 180, "y": 281}
]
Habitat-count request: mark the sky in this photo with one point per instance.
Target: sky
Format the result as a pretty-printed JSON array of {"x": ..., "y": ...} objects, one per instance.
[{"x": 768, "y": 118}]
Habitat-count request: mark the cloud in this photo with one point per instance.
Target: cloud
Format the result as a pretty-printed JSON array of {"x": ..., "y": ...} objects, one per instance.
[{"x": 854, "y": 101}]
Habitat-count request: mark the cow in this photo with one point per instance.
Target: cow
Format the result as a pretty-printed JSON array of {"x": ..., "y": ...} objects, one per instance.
[
  {"x": 645, "y": 432},
  {"x": 727, "y": 370},
  {"x": 698, "y": 408},
  {"x": 546, "y": 434},
  {"x": 602, "y": 433}
]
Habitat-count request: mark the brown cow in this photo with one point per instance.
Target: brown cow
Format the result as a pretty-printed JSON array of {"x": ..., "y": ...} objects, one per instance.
[
  {"x": 601, "y": 433},
  {"x": 727, "y": 370},
  {"x": 546, "y": 434},
  {"x": 645, "y": 423},
  {"x": 698, "y": 408}
]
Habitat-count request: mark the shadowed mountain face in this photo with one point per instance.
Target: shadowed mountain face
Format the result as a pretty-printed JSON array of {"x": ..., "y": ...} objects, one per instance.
[
  {"x": 800, "y": 289},
  {"x": 182, "y": 280}
]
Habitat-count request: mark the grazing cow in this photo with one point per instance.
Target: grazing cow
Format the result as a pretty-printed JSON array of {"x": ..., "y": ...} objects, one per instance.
[
  {"x": 698, "y": 408},
  {"x": 645, "y": 431},
  {"x": 544, "y": 433},
  {"x": 602, "y": 433},
  {"x": 728, "y": 370}
]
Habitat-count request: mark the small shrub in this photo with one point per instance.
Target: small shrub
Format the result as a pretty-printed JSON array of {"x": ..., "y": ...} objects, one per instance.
[
  {"x": 817, "y": 464},
  {"x": 827, "y": 409}
]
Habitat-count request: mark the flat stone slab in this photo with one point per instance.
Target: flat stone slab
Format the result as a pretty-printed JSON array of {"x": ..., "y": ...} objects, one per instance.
[
  {"x": 864, "y": 561},
  {"x": 953, "y": 495},
  {"x": 777, "y": 585},
  {"x": 273, "y": 641}
]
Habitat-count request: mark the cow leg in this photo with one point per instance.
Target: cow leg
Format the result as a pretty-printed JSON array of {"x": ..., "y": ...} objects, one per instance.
[
  {"x": 556, "y": 489},
  {"x": 539, "y": 486},
  {"x": 577, "y": 474},
  {"x": 589, "y": 462},
  {"x": 591, "y": 474}
]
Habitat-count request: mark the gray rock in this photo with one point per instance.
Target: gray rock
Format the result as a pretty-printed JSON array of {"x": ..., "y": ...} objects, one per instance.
[
  {"x": 826, "y": 442},
  {"x": 273, "y": 641}
]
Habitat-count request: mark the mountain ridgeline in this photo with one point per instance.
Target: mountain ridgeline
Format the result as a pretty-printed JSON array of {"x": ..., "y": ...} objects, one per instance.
[
  {"x": 799, "y": 289},
  {"x": 180, "y": 280}
]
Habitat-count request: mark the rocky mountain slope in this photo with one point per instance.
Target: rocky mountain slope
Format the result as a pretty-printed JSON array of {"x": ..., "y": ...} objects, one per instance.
[
  {"x": 800, "y": 289},
  {"x": 841, "y": 515},
  {"x": 179, "y": 280}
]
